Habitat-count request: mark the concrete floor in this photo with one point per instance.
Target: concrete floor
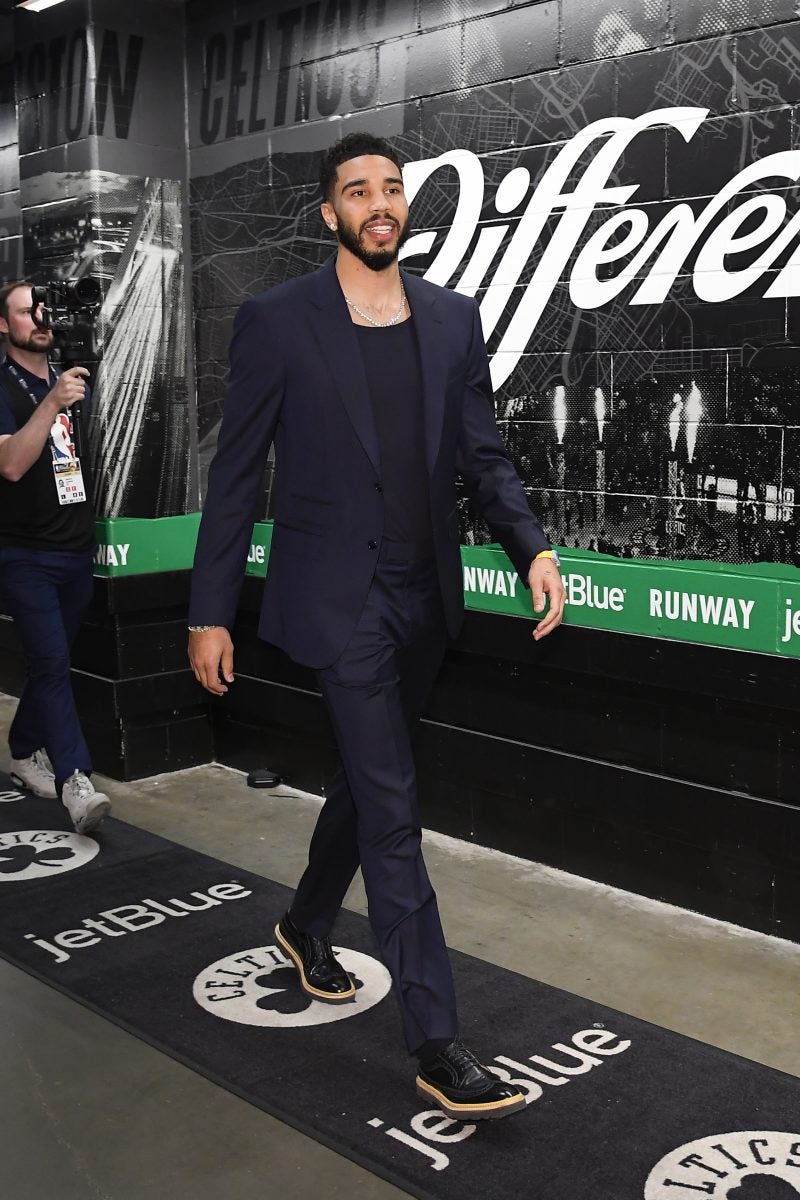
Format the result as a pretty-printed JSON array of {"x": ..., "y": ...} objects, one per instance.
[{"x": 88, "y": 1112}]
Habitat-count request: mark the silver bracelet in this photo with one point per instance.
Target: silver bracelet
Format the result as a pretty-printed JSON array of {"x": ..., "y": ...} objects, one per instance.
[{"x": 202, "y": 628}]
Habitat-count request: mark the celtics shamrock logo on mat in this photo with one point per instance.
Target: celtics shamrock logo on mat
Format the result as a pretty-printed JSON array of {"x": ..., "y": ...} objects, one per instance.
[
  {"x": 750, "y": 1165},
  {"x": 260, "y": 987},
  {"x": 37, "y": 853}
]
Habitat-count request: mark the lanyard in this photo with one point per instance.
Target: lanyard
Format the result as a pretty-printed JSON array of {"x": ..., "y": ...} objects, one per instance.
[
  {"x": 65, "y": 447},
  {"x": 20, "y": 379}
]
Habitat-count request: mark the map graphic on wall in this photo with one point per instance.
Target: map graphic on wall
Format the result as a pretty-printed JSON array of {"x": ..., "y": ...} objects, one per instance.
[{"x": 627, "y": 225}]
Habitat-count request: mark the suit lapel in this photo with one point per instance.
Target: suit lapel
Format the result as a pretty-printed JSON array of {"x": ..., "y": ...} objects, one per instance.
[
  {"x": 427, "y": 316},
  {"x": 338, "y": 341}
]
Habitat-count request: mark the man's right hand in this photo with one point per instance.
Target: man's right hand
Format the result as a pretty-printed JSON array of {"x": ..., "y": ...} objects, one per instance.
[
  {"x": 70, "y": 388},
  {"x": 211, "y": 654}
]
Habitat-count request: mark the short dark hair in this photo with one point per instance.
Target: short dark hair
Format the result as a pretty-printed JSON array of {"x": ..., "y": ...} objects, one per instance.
[
  {"x": 352, "y": 145},
  {"x": 6, "y": 291}
]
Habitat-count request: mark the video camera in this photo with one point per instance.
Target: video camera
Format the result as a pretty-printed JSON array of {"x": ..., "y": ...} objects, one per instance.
[{"x": 70, "y": 307}]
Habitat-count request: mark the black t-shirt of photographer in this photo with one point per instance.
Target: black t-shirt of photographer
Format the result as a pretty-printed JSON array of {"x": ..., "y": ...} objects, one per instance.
[{"x": 30, "y": 514}]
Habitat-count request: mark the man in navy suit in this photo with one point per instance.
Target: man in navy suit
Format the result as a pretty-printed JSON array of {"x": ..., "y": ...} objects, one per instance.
[{"x": 374, "y": 386}]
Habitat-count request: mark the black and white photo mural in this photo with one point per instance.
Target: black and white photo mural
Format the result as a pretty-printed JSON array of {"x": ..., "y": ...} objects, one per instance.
[
  {"x": 126, "y": 233},
  {"x": 98, "y": 97},
  {"x": 614, "y": 183}
]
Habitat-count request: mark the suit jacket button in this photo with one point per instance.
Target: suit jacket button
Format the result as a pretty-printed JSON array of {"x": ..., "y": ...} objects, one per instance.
[
  {"x": 378, "y": 487},
  {"x": 372, "y": 544}
]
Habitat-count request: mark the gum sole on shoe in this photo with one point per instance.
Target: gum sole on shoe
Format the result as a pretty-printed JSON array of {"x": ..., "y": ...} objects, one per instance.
[
  {"x": 470, "y": 1112},
  {"x": 325, "y": 997}
]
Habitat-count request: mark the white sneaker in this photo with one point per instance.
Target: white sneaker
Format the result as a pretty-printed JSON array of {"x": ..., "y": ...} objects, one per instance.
[
  {"x": 33, "y": 773},
  {"x": 86, "y": 806}
]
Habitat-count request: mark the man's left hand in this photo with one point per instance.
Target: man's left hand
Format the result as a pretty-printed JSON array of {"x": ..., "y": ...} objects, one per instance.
[{"x": 544, "y": 579}]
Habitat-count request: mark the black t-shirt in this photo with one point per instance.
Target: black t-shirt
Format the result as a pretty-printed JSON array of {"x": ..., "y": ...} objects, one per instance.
[
  {"x": 391, "y": 362},
  {"x": 30, "y": 514}
]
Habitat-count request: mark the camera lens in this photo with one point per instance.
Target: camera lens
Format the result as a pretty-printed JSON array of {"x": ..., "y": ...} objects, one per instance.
[{"x": 86, "y": 290}]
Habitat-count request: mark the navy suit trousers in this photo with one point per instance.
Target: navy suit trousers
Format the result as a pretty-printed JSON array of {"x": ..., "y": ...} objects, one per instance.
[{"x": 375, "y": 693}]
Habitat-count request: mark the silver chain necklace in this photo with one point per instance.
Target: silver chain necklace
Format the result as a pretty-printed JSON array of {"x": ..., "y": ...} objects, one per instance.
[{"x": 381, "y": 324}]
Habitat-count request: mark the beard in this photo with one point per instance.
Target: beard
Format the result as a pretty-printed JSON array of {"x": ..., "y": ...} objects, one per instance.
[
  {"x": 33, "y": 344},
  {"x": 376, "y": 260}
]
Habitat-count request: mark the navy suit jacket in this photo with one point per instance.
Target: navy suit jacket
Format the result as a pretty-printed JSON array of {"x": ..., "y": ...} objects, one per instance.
[{"x": 297, "y": 379}]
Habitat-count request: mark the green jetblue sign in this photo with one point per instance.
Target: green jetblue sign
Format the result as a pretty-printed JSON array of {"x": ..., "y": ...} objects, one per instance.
[{"x": 744, "y": 608}]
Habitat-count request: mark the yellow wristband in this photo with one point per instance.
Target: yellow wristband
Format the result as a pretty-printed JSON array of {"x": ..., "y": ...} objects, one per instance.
[{"x": 551, "y": 554}]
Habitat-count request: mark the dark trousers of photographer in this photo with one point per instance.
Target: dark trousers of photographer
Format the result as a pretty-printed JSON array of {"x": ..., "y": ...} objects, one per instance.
[{"x": 46, "y": 593}]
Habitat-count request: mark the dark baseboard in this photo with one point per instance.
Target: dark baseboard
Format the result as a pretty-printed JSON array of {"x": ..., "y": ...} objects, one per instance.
[{"x": 726, "y": 854}]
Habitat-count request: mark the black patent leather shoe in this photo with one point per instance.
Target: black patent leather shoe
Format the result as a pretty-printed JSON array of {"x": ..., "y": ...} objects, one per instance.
[
  {"x": 321, "y": 974},
  {"x": 463, "y": 1088}
]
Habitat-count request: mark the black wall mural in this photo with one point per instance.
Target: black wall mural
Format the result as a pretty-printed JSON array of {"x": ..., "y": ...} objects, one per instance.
[
  {"x": 613, "y": 182},
  {"x": 10, "y": 213},
  {"x": 97, "y": 90},
  {"x": 642, "y": 333}
]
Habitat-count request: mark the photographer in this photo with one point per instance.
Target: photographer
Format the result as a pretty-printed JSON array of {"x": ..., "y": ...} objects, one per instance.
[{"x": 47, "y": 545}]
